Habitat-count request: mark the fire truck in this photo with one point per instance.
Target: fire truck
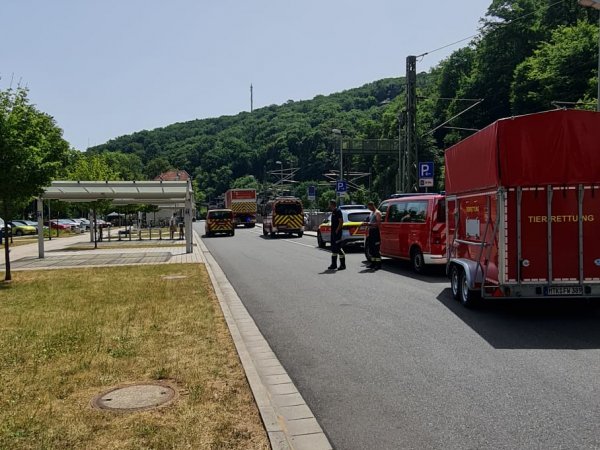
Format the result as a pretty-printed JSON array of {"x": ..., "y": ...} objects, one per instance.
[
  {"x": 523, "y": 208},
  {"x": 243, "y": 204}
]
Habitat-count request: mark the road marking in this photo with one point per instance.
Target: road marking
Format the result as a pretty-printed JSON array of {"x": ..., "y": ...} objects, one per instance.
[{"x": 288, "y": 240}]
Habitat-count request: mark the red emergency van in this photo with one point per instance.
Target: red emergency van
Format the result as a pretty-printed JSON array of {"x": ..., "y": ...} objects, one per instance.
[
  {"x": 414, "y": 228},
  {"x": 523, "y": 208}
]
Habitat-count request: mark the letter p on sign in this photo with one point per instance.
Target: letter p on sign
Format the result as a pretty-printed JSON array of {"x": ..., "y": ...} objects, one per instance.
[{"x": 426, "y": 170}]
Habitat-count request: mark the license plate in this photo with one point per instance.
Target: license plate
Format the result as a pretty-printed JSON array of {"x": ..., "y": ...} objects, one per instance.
[{"x": 561, "y": 291}]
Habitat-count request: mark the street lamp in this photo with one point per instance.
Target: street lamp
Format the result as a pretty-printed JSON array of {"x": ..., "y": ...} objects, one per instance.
[
  {"x": 596, "y": 5},
  {"x": 339, "y": 133}
]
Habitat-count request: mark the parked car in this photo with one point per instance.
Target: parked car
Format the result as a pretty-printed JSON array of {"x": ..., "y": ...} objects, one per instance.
[
  {"x": 21, "y": 228},
  {"x": 74, "y": 226},
  {"x": 414, "y": 228},
  {"x": 57, "y": 225},
  {"x": 102, "y": 224},
  {"x": 342, "y": 207},
  {"x": 25, "y": 222},
  {"x": 85, "y": 224},
  {"x": 353, "y": 228}
]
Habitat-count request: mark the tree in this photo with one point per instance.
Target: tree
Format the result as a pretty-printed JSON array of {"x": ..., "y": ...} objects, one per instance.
[
  {"x": 562, "y": 69},
  {"x": 245, "y": 182},
  {"x": 32, "y": 152}
]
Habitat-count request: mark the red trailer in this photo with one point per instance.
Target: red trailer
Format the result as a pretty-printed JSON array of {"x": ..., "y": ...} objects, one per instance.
[
  {"x": 243, "y": 204},
  {"x": 523, "y": 208}
]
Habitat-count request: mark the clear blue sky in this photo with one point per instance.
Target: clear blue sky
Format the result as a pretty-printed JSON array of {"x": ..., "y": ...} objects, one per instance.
[{"x": 107, "y": 68}]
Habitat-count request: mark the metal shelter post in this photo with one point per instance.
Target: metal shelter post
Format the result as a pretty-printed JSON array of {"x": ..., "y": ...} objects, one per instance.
[
  {"x": 187, "y": 218},
  {"x": 40, "y": 222}
]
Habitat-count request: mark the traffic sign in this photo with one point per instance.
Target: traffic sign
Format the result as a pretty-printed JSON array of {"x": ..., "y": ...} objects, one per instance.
[
  {"x": 426, "y": 170},
  {"x": 312, "y": 193},
  {"x": 341, "y": 187},
  {"x": 425, "y": 174}
]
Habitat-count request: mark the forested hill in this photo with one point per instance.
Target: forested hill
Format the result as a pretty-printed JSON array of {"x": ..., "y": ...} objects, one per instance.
[
  {"x": 530, "y": 54},
  {"x": 220, "y": 150}
]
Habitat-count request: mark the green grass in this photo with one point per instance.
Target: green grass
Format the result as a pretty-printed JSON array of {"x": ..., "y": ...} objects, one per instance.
[{"x": 69, "y": 335}]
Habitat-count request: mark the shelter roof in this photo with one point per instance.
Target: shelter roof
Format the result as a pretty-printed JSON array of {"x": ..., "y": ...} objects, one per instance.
[{"x": 121, "y": 192}]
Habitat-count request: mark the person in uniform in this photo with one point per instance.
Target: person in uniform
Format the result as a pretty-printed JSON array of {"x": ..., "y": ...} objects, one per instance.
[
  {"x": 337, "y": 221},
  {"x": 173, "y": 225},
  {"x": 374, "y": 240}
]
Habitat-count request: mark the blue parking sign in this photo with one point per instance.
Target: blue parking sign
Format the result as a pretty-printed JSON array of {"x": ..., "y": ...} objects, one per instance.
[
  {"x": 341, "y": 187},
  {"x": 426, "y": 169}
]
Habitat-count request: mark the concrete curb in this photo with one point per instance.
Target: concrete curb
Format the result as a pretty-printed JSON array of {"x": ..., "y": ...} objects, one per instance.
[{"x": 289, "y": 422}]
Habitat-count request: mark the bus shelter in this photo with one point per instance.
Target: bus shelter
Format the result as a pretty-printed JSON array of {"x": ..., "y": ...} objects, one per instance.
[{"x": 164, "y": 194}]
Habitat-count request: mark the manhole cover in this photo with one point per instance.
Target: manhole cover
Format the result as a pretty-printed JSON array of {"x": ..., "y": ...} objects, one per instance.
[
  {"x": 174, "y": 277},
  {"x": 135, "y": 398}
]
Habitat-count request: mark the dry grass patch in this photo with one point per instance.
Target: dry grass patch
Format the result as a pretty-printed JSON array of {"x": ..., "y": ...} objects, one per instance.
[{"x": 69, "y": 335}]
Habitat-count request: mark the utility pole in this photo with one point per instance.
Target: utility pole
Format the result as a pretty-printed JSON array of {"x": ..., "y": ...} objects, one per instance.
[
  {"x": 339, "y": 134},
  {"x": 251, "y": 98},
  {"x": 412, "y": 156},
  {"x": 401, "y": 154}
]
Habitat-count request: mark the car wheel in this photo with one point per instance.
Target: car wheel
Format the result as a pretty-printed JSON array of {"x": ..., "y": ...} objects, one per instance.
[
  {"x": 455, "y": 279},
  {"x": 417, "y": 260},
  {"x": 18, "y": 233},
  {"x": 468, "y": 297},
  {"x": 320, "y": 241}
]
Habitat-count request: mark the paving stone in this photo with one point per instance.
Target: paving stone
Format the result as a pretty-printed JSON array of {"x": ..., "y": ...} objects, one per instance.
[
  {"x": 296, "y": 412},
  {"x": 293, "y": 399},
  {"x": 278, "y": 389},
  {"x": 277, "y": 379},
  {"x": 303, "y": 426},
  {"x": 316, "y": 441}
]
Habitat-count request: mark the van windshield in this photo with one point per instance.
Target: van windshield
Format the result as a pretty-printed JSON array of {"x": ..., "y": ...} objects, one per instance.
[
  {"x": 219, "y": 215},
  {"x": 288, "y": 209}
]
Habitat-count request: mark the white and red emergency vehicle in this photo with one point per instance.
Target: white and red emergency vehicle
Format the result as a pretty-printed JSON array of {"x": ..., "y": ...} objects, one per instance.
[
  {"x": 523, "y": 208},
  {"x": 243, "y": 204}
]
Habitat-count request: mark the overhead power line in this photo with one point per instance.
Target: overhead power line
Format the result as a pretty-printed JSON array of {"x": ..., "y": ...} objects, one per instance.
[{"x": 524, "y": 16}]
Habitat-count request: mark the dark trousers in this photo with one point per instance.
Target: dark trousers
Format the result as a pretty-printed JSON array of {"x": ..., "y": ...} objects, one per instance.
[
  {"x": 336, "y": 245},
  {"x": 374, "y": 242}
]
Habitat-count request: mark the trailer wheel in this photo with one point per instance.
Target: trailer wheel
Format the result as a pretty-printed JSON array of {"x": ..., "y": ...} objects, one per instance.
[
  {"x": 264, "y": 230},
  {"x": 417, "y": 260},
  {"x": 272, "y": 234},
  {"x": 467, "y": 297},
  {"x": 455, "y": 279},
  {"x": 300, "y": 233}
]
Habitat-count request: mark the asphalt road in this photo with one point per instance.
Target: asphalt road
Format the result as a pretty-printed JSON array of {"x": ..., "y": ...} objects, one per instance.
[{"x": 388, "y": 360}]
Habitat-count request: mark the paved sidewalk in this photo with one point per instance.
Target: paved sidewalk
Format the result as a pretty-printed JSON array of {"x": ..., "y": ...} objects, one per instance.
[{"x": 58, "y": 255}]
